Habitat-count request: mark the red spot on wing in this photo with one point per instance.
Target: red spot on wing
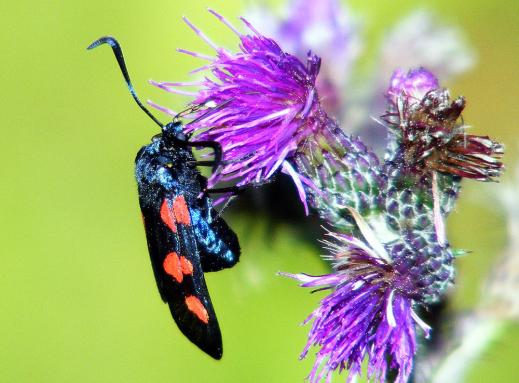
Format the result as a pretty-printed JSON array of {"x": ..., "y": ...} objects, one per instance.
[
  {"x": 180, "y": 211},
  {"x": 166, "y": 214},
  {"x": 172, "y": 266},
  {"x": 196, "y": 307},
  {"x": 186, "y": 266}
]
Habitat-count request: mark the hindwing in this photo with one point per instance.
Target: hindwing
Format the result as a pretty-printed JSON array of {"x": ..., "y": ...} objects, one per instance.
[{"x": 217, "y": 243}]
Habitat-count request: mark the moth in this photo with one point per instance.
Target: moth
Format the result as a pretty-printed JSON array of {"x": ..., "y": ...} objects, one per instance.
[{"x": 185, "y": 234}]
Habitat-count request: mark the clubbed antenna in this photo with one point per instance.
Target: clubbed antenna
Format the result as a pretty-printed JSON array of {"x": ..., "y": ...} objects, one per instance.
[{"x": 120, "y": 60}]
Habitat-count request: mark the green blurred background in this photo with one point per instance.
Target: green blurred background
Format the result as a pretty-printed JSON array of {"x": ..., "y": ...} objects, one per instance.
[{"x": 78, "y": 301}]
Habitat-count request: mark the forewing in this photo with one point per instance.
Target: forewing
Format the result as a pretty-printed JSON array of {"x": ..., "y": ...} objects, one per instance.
[{"x": 176, "y": 263}]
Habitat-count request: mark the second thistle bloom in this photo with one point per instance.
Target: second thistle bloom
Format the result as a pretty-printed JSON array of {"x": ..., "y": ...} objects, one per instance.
[
  {"x": 270, "y": 106},
  {"x": 430, "y": 134},
  {"x": 429, "y": 151},
  {"x": 369, "y": 312}
]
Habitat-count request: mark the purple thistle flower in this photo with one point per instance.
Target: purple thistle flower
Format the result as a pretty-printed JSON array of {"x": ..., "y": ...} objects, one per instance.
[
  {"x": 369, "y": 313},
  {"x": 428, "y": 131},
  {"x": 270, "y": 106}
]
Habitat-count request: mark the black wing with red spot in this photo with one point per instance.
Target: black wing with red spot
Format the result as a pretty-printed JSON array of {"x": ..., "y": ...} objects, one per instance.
[{"x": 176, "y": 263}]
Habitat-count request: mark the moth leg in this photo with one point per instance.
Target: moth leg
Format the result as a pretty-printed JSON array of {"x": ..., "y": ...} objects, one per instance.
[
  {"x": 205, "y": 163},
  {"x": 217, "y": 149},
  {"x": 234, "y": 190}
]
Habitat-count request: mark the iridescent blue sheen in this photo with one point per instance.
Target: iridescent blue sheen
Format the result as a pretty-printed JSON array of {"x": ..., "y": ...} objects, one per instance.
[{"x": 209, "y": 240}]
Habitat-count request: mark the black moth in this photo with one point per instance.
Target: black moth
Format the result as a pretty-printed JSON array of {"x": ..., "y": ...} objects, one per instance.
[{"x": 186, "y": 237}]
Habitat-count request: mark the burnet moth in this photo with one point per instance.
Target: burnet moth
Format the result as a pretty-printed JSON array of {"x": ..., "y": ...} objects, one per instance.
[{"x": 186, "y": 237}]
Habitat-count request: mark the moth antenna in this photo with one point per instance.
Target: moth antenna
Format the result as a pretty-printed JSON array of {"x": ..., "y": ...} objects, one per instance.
[
  {"x": 214, "y": 109},
  {"x": 122, "y": 65}
]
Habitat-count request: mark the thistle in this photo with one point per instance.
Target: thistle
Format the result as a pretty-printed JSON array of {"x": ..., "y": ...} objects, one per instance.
[
  {"x": 369, "y": 311},
  {"x": 344, "y": 167},
  {"x": 270, "y": 119},
  {"x": 429, "y": 151},
  {"x": 271, "y": 106},
  {"x": 427, "y": 127},
  {"x": 413, "y": 261},
  {"x": 273, "y": 121}
]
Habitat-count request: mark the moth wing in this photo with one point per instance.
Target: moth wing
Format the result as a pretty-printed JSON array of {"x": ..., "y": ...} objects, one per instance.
[
  {"x": 218, "y": 244},
  {"x": 180, "y": 279}
]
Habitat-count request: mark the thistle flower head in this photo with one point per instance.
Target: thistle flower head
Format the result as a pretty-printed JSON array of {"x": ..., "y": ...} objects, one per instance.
[
  {"x": 430, "y": 134},
  {"x": 369, "y": 312},
  {"x": 270, "y": 106}
]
